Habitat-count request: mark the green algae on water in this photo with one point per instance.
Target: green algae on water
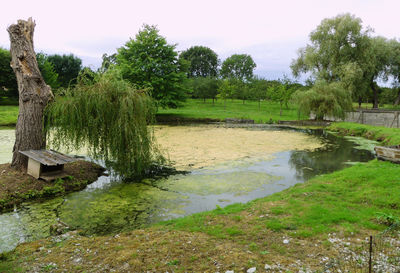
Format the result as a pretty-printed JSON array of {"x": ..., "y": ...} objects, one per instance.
[
  {"x": 236, "y": 183},
  {"x": 362, "y": 143}
]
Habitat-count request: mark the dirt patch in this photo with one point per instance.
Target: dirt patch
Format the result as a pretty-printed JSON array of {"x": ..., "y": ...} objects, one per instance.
[
  {"x": 191, "y": 147},
  {"x": 16, "y": 186}
]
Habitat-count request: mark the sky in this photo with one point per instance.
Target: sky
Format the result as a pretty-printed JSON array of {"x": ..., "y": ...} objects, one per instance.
[{"x": 270, "y": 31}]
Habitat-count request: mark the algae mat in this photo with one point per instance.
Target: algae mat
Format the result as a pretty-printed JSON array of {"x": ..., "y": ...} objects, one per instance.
[{"x": 191, "y": 147}]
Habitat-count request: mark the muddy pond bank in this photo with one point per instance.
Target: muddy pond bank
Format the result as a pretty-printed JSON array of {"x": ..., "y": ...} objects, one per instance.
[{"x": 256, "y": 165}]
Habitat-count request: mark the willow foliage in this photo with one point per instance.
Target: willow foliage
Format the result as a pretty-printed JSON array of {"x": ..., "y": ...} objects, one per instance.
[
  {"x": 324, "y": 100},
  {"x": 110, "y": 117}
]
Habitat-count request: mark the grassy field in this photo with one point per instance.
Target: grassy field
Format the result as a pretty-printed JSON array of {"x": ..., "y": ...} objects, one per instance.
[
  {"x": 8, "y": 115},
  {"x": 388, "y": 136},
  {"x": 268, "y": 111},
  {"x": 294, "y": 229}
]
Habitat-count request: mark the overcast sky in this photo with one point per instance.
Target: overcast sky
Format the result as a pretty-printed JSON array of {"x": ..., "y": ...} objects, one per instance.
[{"x": 270, "y": 31}]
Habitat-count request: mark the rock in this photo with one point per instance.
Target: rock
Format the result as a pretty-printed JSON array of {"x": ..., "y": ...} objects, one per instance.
[
  {"x": 251, "y": 270},
  {"x": 286, "y": 241},
  {"x": 267, "y": 267},
  {"x": 229, "y": 271}
]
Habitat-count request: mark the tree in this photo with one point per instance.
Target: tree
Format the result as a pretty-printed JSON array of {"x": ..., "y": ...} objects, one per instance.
[
  {"x": 34, "y": 94},
  {"x": 148, "y": 61},
  {"x": 108, "y": 62},
  {"x": 238, "y": 66},
  {"x": 394, "y": 69},
  {"x": 282, "y": 92},
  {"x": 341, "y": 50},
  {"x": 225, "y": 90},
  {"x": 324, "y": 99},
  {"x": 67, "y": 68},
  {"x": 8, "y": 81},
  {"x": 49, "y": 74},
  {"x": 111, "y": 116},
  {"x": 258, "y": 89},
  {"x": 203, "y": 62},
  {"x": 205, "y": 88}
]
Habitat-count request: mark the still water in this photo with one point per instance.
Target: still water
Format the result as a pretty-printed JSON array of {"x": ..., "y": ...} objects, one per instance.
[{"x": 110, "y": 206}]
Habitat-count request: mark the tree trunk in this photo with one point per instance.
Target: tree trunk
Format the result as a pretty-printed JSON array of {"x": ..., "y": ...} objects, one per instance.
[
  {"x": 397, "y": 101},
  {"x": 34, "y": 94},
  {"x": 375, "y": 96}
]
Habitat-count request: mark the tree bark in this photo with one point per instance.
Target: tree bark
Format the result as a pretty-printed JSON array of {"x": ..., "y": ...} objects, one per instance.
[
  {"x": 397, "y": 101},
  {"x": 34, "y": 94},
  {"x": 375, "y": 96}
]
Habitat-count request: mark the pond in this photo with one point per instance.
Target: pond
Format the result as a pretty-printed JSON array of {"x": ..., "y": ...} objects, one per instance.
[{"x": 226, "y": 165}]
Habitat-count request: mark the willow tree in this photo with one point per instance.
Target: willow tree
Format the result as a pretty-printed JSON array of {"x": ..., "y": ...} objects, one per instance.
[
  {"x": 34, "y": 94},
  {"x": 110, "y": 117},
  {"x": 324, "y": 100}
]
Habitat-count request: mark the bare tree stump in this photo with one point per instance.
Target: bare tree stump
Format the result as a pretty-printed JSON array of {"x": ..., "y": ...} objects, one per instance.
[{"x": 34, "y": 94}]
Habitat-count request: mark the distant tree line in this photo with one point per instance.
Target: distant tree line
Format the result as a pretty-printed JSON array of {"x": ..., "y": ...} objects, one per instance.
[{"x": 341, "y": 56}]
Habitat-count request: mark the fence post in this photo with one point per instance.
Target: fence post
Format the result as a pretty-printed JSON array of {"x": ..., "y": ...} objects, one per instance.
[{"x": 370, "y": 254}]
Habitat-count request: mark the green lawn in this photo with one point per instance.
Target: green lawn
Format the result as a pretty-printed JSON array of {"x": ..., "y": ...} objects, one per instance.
[
  {"x": 388, "y": 136},
  {"x": 196, "y": 108},
  {"x": 8, "y": 115}
]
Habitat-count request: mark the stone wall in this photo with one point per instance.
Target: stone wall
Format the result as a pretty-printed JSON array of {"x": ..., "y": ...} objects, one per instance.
[{"x": 384, "y": 118}]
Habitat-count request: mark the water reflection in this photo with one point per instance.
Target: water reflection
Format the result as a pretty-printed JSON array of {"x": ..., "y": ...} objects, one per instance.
[{"x": 336, "y": 153}]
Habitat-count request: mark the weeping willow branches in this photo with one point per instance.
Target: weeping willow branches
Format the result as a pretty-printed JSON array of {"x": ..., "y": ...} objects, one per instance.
[{"x": 110, "y": 117}]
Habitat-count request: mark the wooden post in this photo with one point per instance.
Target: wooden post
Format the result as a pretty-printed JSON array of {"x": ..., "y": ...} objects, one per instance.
[{"x": 34, "y": 94}]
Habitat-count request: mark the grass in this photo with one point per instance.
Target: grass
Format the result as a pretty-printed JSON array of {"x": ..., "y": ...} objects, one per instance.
[
  {"x": 268, "y": 112},
  {"x": 347, "y": 200},
  {"x": 388, "y": 136},
  {"x": 8, "y": 115},
  {"x": 348, "y": 203}
]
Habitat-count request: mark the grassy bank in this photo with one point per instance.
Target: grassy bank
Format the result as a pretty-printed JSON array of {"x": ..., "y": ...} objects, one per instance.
[
  {"x": 267, "y": 112},
  {"x": 304, "y": 227},
  {"x": 17, "y": 187},
  {"x": 8, "y": 115},
  {"x": 388, "y": 136}
]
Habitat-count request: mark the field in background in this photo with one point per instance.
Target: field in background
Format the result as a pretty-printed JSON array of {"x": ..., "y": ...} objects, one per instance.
[{"x": 267, "y": 112}]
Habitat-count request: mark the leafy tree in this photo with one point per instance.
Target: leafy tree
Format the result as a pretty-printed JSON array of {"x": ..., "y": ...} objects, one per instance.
[
  {"x": 238, "y": 66},
  {"x": 203, "y": 61},
  {"x": 225, "y": 90},
  {"x": 258, "y": 89},
  {"x": 49, "y": 74},
  {"x": 394, "y": 68},
  {"x": 8, "y": 81},
  {"x": 241, "y": 90},
  {"x": 205, "y": 88},
  {"x": 148, "y": 61},
  {"x": 324, "y": 99},
  {"x": 67, "y": 68},
  {"x": 108, "y": 61},
  {"x": 282, "y": 93},
  {"x": 341, "y": 50}
]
